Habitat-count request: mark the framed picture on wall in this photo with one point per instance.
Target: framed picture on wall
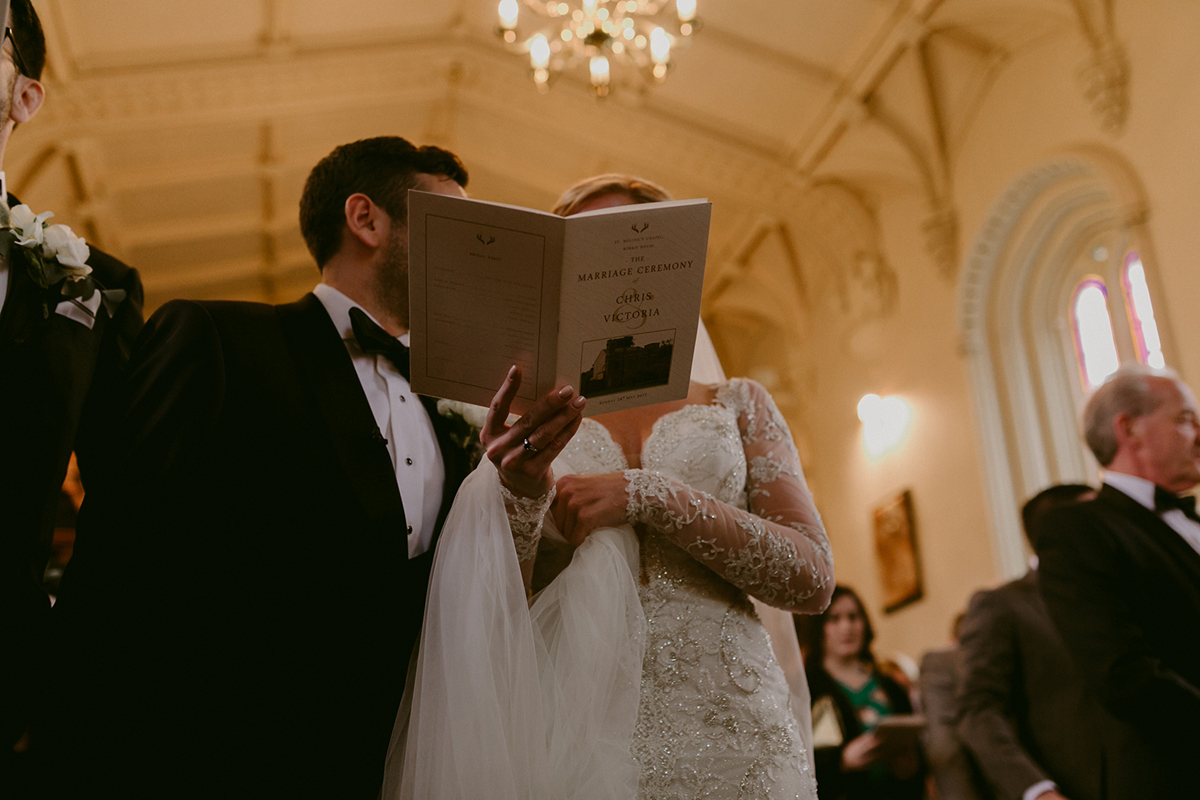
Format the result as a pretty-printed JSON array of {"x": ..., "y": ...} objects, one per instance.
[{"x": 896, "y": 550}]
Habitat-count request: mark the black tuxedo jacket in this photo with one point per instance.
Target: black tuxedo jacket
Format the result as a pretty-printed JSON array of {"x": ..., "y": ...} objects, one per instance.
[
  {"x": 55, "y": 378},
  {"x": 1024, "y": 710},
  {"x": 240, "y": 608},
  {"x": 1123, "y": 588}
]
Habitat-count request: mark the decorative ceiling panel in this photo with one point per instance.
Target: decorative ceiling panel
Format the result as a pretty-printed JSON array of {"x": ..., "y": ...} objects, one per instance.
[
  {"x": 823, "y": 32},
  {"x": 128, "y": 32}
]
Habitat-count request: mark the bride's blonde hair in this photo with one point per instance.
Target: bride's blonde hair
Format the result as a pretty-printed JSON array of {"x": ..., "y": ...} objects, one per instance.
[{"x": 636, "y": 189}]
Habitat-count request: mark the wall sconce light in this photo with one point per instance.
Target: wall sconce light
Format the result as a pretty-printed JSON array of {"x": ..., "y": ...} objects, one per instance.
[{"x": 885, "y": 423}]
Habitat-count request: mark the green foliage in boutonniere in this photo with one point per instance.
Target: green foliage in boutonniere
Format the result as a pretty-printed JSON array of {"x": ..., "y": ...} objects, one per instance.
[
  {"x": 464, "y": 422},
  {"x": 53, "y": 255}
]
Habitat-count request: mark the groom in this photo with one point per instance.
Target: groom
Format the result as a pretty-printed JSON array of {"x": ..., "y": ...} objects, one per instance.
[{"x": 249, "y": 581}]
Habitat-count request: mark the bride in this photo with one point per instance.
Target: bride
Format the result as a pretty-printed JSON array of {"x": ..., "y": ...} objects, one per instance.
[{"x": 644, "y": 668}]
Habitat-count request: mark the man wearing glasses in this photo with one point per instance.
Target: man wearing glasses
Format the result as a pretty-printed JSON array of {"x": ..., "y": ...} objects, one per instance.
[{"x": 60, "y": 355}]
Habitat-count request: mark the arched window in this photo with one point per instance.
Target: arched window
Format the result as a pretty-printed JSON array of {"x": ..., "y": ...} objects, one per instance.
[
  {"x": 1141, "y": 312},
  {"x": 1095, "y": 345},
  {"x": 1055, "y": 294}
]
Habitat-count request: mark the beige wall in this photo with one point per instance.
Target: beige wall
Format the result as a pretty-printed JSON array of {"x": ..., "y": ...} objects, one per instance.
[{"x": 1034, "y": 110}]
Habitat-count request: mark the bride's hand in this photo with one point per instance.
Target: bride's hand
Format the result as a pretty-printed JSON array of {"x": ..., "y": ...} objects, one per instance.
[
  {"x": 524, "y": 451},
  {"x": 584, "y": 503}
]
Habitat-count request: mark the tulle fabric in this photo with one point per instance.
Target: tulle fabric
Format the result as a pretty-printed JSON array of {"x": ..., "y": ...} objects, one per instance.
[{"x": 506, "y": 701}]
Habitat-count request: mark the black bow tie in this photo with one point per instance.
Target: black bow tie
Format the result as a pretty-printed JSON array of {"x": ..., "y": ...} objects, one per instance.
[
  {"x": 1165, "y": 501},
  {"x": 374, "y": 340}
]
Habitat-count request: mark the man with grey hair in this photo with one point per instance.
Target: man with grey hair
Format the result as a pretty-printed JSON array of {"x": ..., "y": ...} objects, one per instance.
[{"x": 1121, "y": 575}]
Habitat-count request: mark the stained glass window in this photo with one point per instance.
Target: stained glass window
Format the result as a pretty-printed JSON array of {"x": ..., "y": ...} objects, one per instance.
[
  {"x": 1095, "y": 345},
  {"x": 1141, "y": 312}
]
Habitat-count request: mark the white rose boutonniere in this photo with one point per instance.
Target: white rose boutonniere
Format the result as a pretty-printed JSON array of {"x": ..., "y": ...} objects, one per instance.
[
  {"x": 463, "y": 424},
  {"x": 56, "y": 260},
  {"x": 53, "y": 252},
  {"x": 71, "y": 251},
  {"x": 475, "y": 416}
]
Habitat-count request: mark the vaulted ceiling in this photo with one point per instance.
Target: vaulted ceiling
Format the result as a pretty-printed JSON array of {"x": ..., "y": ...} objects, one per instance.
[{"x": 178, "y": 134}]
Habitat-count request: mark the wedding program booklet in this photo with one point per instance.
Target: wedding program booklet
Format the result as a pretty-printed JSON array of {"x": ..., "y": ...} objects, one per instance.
[{"x": 607, "y": 301}]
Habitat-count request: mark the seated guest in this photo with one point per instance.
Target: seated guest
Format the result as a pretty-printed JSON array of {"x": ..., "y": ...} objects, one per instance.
[
  {"x": 1121, "y": 574},
  {"x": 850, "y": 696},
  {"x": 1023, "y": 710}
]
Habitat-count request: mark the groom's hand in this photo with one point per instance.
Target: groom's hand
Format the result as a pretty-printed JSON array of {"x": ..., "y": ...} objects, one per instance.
[{"x": 547, "y": 427}]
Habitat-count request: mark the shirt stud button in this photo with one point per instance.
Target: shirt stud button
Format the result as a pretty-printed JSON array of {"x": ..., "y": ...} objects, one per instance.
[
  {"x": 408, "y": 461},
  {"x": 410, "y": 530},
  {"x": 403, "y": 399}
]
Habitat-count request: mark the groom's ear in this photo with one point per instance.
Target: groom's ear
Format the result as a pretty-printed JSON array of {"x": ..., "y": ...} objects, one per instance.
[{"x": 365, "y": 220}]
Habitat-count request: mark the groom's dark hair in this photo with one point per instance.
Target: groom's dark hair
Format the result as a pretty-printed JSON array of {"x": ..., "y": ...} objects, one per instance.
[
  {"x": 383, "y": 168},
  {"x": 28, "y": 37}
]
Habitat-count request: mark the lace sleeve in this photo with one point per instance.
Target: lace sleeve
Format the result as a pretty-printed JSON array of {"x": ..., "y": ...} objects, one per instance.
[
  {"x": 777, "y": 551},
  {"x": 525, "y": 516}
]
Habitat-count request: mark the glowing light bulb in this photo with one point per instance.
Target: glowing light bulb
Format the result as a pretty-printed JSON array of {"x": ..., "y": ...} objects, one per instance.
[
  {"x": 868, "y": 407},
  {"x": 660, "y": 46},
  {"x": 885, "y": 423},
  {"x": 509, "y": 11},
  {"x": 599, "y": 70},
  {"x": 686, "y": 10},
  {"x": 539, "y": 52}
]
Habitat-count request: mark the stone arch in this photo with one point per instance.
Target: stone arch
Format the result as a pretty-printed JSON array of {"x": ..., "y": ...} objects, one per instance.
[{"x": 1013, "y": 293}]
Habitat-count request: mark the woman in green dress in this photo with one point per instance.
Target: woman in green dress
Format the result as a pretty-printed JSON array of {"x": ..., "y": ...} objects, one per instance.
[{"x": 850, "y": 697}]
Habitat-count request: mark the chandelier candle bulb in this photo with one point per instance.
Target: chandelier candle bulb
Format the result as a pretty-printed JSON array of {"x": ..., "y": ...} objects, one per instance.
[
  {"x": 686, "y": 10},
  {"x": 660, "y": 46},
  {"x": 509, "y": 13},
  {"x": 539, "y": 52},
  {"x": 599, "y": 70}
]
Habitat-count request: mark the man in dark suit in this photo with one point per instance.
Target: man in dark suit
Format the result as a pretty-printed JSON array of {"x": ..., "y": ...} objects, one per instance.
[
  {"x": 953, "y": 769},
  {"x": 249, "y": 581},
  {"x": 1121, "y": 574},
  {"x": 60, "y": 357},
  {"x": 1024, "y": 712}
]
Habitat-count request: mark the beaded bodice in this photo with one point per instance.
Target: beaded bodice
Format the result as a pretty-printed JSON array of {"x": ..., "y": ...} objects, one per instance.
[{"x": 715, "y": 718}]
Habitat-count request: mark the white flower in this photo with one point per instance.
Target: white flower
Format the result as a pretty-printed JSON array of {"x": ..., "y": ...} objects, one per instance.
[
  {"x": 475, "y": 416},
  {"x": 70, "y": 250},
  {"x": 28, "y": 226}
]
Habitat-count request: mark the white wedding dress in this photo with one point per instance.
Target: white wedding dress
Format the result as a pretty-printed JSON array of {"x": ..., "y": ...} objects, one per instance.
[{"x": 643, "y": 670}]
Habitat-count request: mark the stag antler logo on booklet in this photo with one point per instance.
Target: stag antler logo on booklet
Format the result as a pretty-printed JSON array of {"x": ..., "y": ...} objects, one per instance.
[{"x": 606, "y": 301}]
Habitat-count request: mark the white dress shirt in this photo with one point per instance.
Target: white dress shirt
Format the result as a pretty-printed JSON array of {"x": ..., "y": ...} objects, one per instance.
[
  {"x": 411, "y": 441},
  {"x": 1142, "y": 491}
]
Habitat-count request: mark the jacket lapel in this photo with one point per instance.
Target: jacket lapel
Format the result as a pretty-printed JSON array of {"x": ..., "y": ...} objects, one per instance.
[
  {"x": 326, "y": 368},
  {"x": 1153, "y": 526},
  {"x": 24, "y": 310},
  {"x": 454, "y": 459}
]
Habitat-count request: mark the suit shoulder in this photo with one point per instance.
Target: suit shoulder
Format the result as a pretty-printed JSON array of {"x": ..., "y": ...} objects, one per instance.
[
  {"x": 1080, "y": 524},
  {"x": 991, "y": 600},
  {"x": 110, "y": 270}
]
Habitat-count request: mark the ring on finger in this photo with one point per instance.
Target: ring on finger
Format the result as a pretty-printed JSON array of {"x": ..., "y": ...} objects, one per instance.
[{"x": 529, "y": 448}]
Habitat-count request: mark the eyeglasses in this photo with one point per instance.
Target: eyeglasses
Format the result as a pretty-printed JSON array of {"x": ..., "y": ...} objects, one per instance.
[{"x": 16, "y": 53}]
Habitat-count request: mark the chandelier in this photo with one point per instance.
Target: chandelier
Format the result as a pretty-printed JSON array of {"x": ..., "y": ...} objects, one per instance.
[{"x": 635, "y": 35}]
